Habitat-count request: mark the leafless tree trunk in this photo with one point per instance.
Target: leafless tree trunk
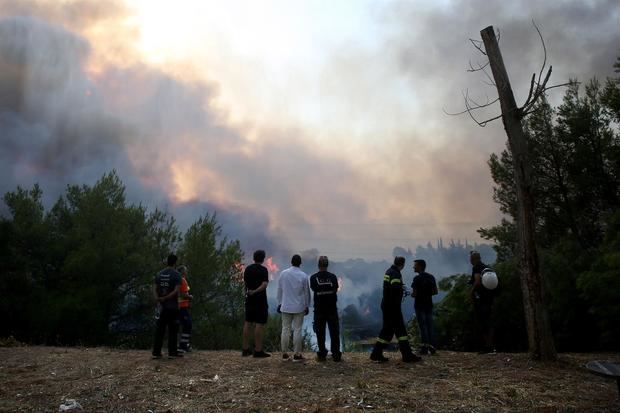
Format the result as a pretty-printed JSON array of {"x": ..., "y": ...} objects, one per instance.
[{"x": 540, "y": 339}]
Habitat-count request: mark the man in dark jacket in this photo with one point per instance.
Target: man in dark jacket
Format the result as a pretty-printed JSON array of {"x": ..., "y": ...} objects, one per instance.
[
  {"x": 393, "y": 323},
  {"x": 423, "y": 288},
  {"x": 325, "y": 287}
]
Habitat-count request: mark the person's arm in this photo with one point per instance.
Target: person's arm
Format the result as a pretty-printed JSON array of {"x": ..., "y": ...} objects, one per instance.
[
  {"x": 155, "y": 294},
  {"x": 414, "y": 289},
  {"x": 260, "y": 288},
  {"x": 279, "y": 295},
  {"x": 476, "y": 285},
  {"x": 435, "y": 291},
  {"x": 173, "y": 294},
  {"x": 307, "y": 295}
]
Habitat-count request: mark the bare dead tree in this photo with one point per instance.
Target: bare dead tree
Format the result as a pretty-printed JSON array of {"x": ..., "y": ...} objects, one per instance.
[
  {"x": 540, "y": 338},
  {"x": 538, "y": 85}
]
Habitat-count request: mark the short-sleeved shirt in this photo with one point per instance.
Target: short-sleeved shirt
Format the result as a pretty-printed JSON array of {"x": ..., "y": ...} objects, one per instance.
[
  {"x": 166, "y": 281},
  {"x": 325, "y": 287},
  {"x": 253, "y": 277},
  {"x": 425, "y": 285}
]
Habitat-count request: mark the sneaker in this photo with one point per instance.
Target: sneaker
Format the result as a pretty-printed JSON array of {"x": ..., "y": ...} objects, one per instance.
[
  {"x": 380, "y": 358},
  {"x": 175, "y": 356},
  {"x": 337, "y": 358},
  {"x": 261, "y": 354},
  {"x": 246, "y": 352},
  {"x": 432, "y": 350},
  {"x": 285, "y": 356},
  {"x": 411, "y": 358},
  {"x": 156, "y": 356},
  {"x": 321, "y": 357},
  {"x": 298, "y": 357},
  {"x": 180, "y": 351}
]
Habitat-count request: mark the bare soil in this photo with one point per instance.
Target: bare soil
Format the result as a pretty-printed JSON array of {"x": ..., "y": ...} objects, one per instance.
[{"x": 40, "y": 379}]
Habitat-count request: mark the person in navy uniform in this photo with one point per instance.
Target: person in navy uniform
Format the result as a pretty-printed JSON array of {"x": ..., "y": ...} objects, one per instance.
[
  {"x": 324, "y": 284},
  {"x": 166, "y": 295}
]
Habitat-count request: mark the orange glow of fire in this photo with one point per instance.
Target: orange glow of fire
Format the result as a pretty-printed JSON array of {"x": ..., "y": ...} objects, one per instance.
[
  {"x": 237, "y": 272},
  {"x": 272, "y": 267}
]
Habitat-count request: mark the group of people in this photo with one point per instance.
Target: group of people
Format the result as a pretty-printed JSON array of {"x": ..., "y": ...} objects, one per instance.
[
  {"x": 172, "y": 297},
  {"x": 171, "y": 293},
  {"x": 293, "y": 297}
]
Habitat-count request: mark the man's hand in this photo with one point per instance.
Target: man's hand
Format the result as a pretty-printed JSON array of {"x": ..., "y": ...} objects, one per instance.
[
  {"x": 279, "y": 309},
  {"x": 307, "y": 311}
]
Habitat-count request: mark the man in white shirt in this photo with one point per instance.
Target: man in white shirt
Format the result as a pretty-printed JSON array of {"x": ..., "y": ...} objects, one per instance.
[{"x": 293, "y": 303}]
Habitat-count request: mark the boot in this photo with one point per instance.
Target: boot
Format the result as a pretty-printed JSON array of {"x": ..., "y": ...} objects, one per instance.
[
  {"x": 408, "y": 355},
  {"x": 377, "y": 353}
]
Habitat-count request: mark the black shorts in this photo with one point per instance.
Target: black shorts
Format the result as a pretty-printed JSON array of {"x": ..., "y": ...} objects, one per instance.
[{"x": 256, "y": 313}]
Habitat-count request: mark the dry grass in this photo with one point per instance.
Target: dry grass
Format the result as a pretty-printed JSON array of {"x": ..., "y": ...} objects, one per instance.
[{"x": 38, "y": 379}]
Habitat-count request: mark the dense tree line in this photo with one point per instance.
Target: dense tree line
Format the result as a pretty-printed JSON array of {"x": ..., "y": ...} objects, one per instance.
[
  {"x": 81, "y": 272},
  {"x": 575, "y": 154}
]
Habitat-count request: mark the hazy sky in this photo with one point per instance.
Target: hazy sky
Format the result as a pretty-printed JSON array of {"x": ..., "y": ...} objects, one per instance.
[{"x": 314, "y": 124}]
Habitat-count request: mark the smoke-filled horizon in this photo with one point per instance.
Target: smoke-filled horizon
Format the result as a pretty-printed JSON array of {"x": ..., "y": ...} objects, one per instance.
[{"x": 304, "y": 125}]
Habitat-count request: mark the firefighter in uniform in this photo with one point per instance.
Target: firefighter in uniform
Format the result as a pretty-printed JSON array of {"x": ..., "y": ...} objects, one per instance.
[
  {"x": 393, "y": 323},
  {"x": 185, "y": 318}
]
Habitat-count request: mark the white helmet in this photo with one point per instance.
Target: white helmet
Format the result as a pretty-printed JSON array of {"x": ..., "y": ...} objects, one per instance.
[{"x": 489, "y": 279}]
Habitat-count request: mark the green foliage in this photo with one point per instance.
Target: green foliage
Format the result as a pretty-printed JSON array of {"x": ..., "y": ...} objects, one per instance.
[
  {"x": 575, "y": 156},
  {"x": 454, "y": 322},
  {"x": 216, "y": 282},
  {"x": 82, "y": 272},
  {"x": 600, "y": 286}
]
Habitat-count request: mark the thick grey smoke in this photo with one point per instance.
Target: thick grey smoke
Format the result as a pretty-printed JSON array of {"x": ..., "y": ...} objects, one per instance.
[{"x": 70, "y": 112}]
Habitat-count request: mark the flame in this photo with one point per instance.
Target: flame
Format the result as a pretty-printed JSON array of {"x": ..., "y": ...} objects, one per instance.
[
  {"x": 237, "y": 272},
  {"x": 272, "y": 267}
]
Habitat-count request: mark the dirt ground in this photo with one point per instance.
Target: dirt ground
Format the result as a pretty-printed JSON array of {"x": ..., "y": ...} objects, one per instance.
[{"x": 40, "y": 379}]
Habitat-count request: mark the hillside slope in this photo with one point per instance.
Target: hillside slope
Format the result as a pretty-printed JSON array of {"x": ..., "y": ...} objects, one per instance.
[{"x": 38, "y": 379}]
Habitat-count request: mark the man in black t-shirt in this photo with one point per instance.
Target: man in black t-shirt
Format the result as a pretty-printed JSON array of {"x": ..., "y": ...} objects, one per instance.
[
  {"x": 482, "y": 299},
  {"x": 165, "y": 294},
  {"x": 325, "y": 287},
  {"x": 424, "y": 287},
  {"x": 256, "y": 278}
]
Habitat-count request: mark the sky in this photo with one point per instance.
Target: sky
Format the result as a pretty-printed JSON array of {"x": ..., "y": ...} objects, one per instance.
[{"x": 304, "y": 124}]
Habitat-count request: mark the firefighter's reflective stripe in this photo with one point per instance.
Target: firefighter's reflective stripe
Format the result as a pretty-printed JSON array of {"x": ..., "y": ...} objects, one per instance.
[
  {"x": 403, "y": 338},
  {"x": 380, "y": 340},
  {"x": 386, "y": 278},
  {"x": 396, "y": 281}
]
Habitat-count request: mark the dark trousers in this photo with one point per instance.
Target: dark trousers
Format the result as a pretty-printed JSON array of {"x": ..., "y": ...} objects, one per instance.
[
  {"x": 483, "y": 324},
  {"x": 186, "y": 327},
  {"x": 393, "y": 324},
  {"x": 333, "y": 324},
  {"x": 170, "y": 319},
  {"x": 425, "y": 322}
]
